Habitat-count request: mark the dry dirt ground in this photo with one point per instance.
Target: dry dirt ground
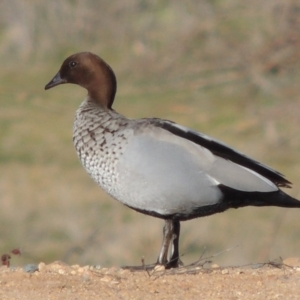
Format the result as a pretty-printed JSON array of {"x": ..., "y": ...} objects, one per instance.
[{"x": 61, "y": 281}]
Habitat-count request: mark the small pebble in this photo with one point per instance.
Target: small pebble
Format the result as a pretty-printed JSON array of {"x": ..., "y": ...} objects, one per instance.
[
  {"x": 106, "y": 279},
  {"x": 42, "y": 266},
  {"x": 97, "y": 267},
  {"x": 292, "y": 262},
  {"x": 75, "y": 266},
  {"x": 159, "y": 268},
  {"x": 30, "y": 268}
]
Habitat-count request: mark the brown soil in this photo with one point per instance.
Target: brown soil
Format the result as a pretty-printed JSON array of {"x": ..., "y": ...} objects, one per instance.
[{"x": 60, "y": 281}]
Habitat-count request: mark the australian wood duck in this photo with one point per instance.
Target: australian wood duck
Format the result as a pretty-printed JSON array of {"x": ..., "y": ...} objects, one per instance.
[{"x": 158, "y": 167}]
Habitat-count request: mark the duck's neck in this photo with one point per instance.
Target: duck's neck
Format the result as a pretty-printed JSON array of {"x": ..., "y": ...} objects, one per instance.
[
  {"x": 96, "y": 99},
  {"x": 103, "y": 88}
]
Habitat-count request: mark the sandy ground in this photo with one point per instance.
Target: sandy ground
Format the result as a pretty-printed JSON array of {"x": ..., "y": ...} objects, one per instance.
[{"x": 61, "y": 281}]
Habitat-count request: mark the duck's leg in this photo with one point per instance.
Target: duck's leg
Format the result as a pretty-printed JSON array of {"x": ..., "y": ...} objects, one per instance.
[
  {"x": 163, "y": 257},
  {"x": 169, "y": 253},
  {"x": 174, "y": 261}
]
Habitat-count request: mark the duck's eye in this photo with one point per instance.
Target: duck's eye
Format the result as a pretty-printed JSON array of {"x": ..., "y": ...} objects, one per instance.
[{"x": 72, "y": 64}]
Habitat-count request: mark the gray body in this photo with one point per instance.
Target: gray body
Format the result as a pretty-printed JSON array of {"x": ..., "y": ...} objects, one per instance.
[{"x": 148, "y": 168}]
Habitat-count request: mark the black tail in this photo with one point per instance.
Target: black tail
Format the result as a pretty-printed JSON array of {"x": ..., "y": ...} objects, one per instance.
[{"x": 235, "y": 199}]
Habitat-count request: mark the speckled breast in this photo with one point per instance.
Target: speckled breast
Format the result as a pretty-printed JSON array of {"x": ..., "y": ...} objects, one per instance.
[{"x": 100, "y": 137}]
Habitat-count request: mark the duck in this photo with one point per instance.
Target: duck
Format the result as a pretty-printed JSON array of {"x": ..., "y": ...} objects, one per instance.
[{"x": 157, "y": 167}]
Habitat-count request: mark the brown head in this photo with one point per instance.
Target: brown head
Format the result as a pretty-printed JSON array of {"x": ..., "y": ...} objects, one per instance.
[{"x": 91, "y": 72}]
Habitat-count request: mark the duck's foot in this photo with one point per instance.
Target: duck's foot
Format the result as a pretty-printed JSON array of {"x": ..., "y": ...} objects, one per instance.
[{"x": 175, "y": 263}]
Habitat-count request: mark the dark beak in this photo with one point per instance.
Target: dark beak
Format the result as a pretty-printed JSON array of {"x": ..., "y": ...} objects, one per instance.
[{"x": 55, "y": 81}]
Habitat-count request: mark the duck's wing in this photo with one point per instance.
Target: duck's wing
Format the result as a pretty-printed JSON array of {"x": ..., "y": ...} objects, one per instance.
[{"x": 220, "y": 149}]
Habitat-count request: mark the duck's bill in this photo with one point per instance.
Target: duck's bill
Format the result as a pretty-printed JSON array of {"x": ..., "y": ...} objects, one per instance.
[{"x": 55, "y": 81}]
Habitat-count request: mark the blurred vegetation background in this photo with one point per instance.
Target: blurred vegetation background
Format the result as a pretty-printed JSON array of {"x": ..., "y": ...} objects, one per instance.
[{"x": 229, "y": 69}]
